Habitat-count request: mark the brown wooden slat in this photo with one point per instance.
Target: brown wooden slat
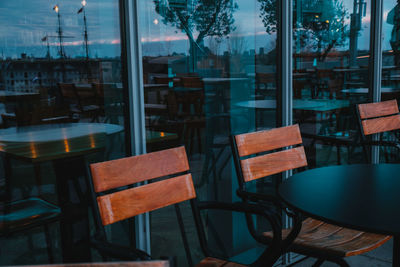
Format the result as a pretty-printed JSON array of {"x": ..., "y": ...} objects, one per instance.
[
  {"x": 131, "y": 202},
  {"x": 364, "y": 243},
  {"x": 256, "y": 142},
  {"x": 213, "y": 262},
  {"x": 378, "y": 109},
  {"x": 324, "y": 231},
  {"x": 273, "y": 163},
  {"x": 333, "y": 240},
  {"x": 379, "y": 125},
  {"x": 126, "y": 171}
]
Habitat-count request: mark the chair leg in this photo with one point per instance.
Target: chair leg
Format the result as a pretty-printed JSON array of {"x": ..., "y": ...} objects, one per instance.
[
  {"x": 318, "y": 263},
  {"x": 49, "y": 244}
]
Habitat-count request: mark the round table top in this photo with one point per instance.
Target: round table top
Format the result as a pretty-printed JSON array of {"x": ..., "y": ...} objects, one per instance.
[
  {"x": 365, "y": 90},
  {"x": 362, "y": 196},
  {"x": 56, "y": 132},
  {"x": 301, "y": 104},
  {"x": 223, "y": 80}
]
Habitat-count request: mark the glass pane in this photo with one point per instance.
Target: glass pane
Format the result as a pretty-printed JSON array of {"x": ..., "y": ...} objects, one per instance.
[
  {"x": 209, "y": 72},
  {"x": 390, "y": 88},
  {"x": 61, "y": 105},
  {"x": 330, "y": 75}
]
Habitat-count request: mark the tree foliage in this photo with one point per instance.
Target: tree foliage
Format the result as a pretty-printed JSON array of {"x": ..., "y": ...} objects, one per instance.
[
  {"x": 318, "y": 25},
  {"x": 199, "y": 19}
]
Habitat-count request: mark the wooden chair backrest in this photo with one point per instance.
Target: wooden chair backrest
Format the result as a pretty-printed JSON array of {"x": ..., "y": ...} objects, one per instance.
[
  {"x": 67, "y": 90},
  {"x": 379, "y": 117},
  {"x": 192, "y": 82},
  {"x": 272, "y": 163},
  {"x": 129, "y": 202},
  {"x": 163, "y": 80},
  {"x": 265, "y": 77}
]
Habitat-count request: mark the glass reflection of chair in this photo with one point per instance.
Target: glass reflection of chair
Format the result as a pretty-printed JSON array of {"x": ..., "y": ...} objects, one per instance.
[
  {"x": 262, "y": 154},
  {"x": 265, "y": 85},
  {"x": 21, "y": 216},
  {"x": 115, "y": 200},
  {"x": 82, "y": 101},
  {"x": 381, "y": 118},
  {"x": 190, "y": 98}
]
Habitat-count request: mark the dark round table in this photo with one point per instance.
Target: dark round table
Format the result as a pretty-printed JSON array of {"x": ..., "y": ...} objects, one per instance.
[{"x": 363, "y": 197}]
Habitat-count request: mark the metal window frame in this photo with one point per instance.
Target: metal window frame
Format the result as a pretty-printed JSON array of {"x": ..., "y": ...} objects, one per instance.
[
  {"x": 137, "y": 125},
  {"x": 375, "y": 62}
]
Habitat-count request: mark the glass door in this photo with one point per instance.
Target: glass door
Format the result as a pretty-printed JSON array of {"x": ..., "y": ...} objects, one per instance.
[
  {"x": 330, "y": 75},
  {"x": 209, "y": 72}
]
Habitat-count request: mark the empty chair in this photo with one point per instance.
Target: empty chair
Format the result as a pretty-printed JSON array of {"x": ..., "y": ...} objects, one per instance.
[
  {"x": 20, "y": 216},
  {"x": 381, "y": 118},
  {"x": 82, "y": 101},
  {"x": 115, "y": 200},
  {"x": 316, "y": 238}
]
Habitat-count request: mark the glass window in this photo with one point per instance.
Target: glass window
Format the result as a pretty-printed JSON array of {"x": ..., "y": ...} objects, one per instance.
[
  {"x": 209, "y": 72},
  {"x": 330, "y": 75},
  {"x": 61, "y": 105},
  {"x": 390, "y": 86}
]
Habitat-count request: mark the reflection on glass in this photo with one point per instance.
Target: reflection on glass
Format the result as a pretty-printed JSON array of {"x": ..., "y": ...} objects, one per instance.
[
  {"x": 331, "y": 53},
  {"x": 209, "y": 72},
  {"x": 61, "y": 105},
  {"x": 390, "y": 87}
]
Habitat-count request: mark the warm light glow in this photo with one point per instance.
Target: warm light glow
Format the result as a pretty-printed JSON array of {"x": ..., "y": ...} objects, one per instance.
[
  {"x": 155, "y": 21},
  {"x": 92, "y": 142},
  {"x": 83, "y": 3},
  {"x": 33, "y": 150},
  {"x": 66, "y": 145},
  {"x": 316, "y": 16},
  {"x": 327, "y": 21},
  {"x": 162, "y": 134},
  {"x": 55, "y": 8}
]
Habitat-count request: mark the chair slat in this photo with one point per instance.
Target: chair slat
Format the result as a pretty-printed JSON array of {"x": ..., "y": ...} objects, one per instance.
[
  {"x": 379, "y": 125},
  {"x": 265, "y": 165},
  {"x": 378, "y": 109},
  {"x": 126, "y": 171},
  {"x": 256, "y": 142},
  {"x": 131, "y": 202}
]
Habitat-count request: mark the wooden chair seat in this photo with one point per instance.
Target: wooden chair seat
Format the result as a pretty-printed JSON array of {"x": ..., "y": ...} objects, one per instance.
[
  {"x": 333, "y": 240},
  {"x": 213, "y": 262}
]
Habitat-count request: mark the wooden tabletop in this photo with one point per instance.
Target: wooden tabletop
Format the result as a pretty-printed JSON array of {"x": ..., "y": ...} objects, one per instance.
[
  {"x": 54, "y": 141},
  {"x": 10, "y": 96}
]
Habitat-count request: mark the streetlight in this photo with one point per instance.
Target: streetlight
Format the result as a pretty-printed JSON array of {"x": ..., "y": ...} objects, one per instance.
[
  {"x": 59, "y": 32},
  {"x": 85, "y": 35}
]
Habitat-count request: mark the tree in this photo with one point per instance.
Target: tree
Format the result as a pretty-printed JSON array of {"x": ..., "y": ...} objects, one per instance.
[
  {"x": 199, "y": 19},
  {"x": 318, "y": 25}
]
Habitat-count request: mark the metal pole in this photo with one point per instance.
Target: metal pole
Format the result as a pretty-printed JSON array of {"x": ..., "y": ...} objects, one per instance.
[
  {"x": 375, "y": 63},
  {"x": 85, "y": 34},
  {"x": 60, "y": 37}
]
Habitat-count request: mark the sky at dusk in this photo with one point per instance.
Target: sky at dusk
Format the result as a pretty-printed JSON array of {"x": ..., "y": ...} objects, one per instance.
[{"x": 24, "y": 23}]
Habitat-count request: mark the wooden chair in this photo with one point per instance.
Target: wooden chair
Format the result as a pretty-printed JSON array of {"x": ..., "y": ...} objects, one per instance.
[
  {"x": 316, "y": 238},
  {"x": 82, "y": 101},
  {"x": 20, "y": 216},
  {"x": 115, "y": 199},
  {"x": 265, "y": 84},
  {"x": 380, "y": 118}
]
